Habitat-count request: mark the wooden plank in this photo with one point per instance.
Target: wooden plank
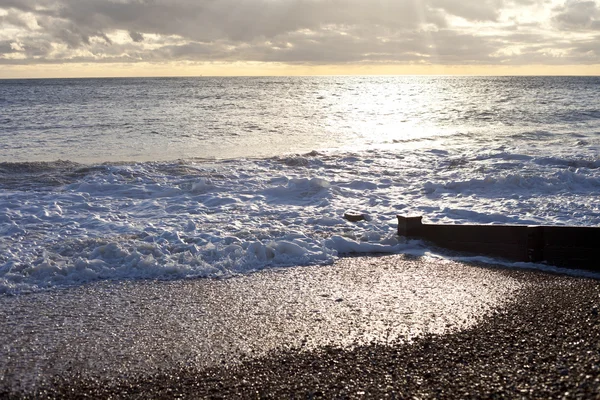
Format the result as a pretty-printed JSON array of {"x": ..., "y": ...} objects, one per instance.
[
  {"x": 567, "y": 236},
  {"x": 572, "y": 256},
  {"x": 565, "y": 246},
  {"x": 476, "y": 233}
]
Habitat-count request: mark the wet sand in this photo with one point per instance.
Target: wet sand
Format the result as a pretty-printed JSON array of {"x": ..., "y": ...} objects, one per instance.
[{"x": 365, "y": 327}]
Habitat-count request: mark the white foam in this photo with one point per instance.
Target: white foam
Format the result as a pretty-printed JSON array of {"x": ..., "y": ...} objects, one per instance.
[
  {"x": 518, "y": 265},
  {"x": 142, "y": 221}
]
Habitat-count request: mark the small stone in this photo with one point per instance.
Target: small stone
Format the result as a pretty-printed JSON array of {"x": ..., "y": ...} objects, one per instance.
[{"x": 354, "y": 216}]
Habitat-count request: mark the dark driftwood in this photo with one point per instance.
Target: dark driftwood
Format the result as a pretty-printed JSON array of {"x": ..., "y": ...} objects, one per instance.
[{"x": 564, "y": 246}]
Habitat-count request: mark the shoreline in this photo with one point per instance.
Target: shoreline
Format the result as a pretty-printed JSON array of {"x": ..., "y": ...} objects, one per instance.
[{"x": 541, "y": 340}]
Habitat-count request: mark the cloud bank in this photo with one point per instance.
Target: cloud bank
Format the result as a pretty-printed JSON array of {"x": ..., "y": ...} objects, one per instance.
[{"x": 313, "y": 32}]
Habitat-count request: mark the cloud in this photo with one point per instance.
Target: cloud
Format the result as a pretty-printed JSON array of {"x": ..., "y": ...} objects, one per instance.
[
  {"x": 136, "y": 37},
  {"x": 464, "y": 32},
  {"x": 474, "y": 10},
  {"x": 578, "y": 15},
  {"x": 6, "y": 46},
  {"x": 237, "y": 20}
]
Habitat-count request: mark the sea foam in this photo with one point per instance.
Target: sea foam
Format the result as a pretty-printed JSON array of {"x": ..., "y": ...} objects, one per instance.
[{"x": 198, "y": 219}]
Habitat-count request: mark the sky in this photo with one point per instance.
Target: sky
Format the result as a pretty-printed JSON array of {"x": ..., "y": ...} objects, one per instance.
[{"x": 75, "y": 38}]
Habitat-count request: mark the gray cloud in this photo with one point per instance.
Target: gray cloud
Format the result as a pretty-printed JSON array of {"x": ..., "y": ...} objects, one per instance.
[
  {"x": 578, "y": 15},
  {"x": 136, "y": 37},
  {"x": 24, "y": 5},
  {"x": 6, "y": 47},
  {"x": 238, "y": 20},
  {"x": 13, "y": 19},
  {"x": 291, "y": 31}
]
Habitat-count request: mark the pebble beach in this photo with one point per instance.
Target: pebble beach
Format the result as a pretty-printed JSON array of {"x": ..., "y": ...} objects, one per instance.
[{"x": 364, "y": 327}]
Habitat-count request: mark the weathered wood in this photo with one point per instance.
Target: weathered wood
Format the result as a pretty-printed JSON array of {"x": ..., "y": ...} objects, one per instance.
[
  {"x": 565, "y": 246},
  {"x": 500, "y": 240},
  {"x": 409, "y": 226},
  {"x": 535, "y": 244}
]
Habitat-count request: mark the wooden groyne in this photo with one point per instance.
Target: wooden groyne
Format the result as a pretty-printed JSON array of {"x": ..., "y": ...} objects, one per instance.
[{"x": 562, "y": 246}]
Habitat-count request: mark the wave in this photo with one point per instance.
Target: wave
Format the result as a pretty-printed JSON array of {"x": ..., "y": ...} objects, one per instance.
[
  {"x": 64, "y": 223},
  {"x": 568, "y": 162},
  {"x": 37, "y": 166},
  {"x": 535, "y": 185}
]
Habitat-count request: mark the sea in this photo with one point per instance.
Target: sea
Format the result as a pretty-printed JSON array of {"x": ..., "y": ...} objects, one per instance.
[{"x": 179, "y": 178}]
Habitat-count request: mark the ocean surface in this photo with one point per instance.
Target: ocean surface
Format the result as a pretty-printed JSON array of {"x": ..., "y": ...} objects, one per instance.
[{"x": 112, "y": 179}]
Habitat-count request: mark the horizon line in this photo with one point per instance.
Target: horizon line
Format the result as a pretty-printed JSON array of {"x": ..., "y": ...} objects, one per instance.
[{"x": 303, "y": 76}]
